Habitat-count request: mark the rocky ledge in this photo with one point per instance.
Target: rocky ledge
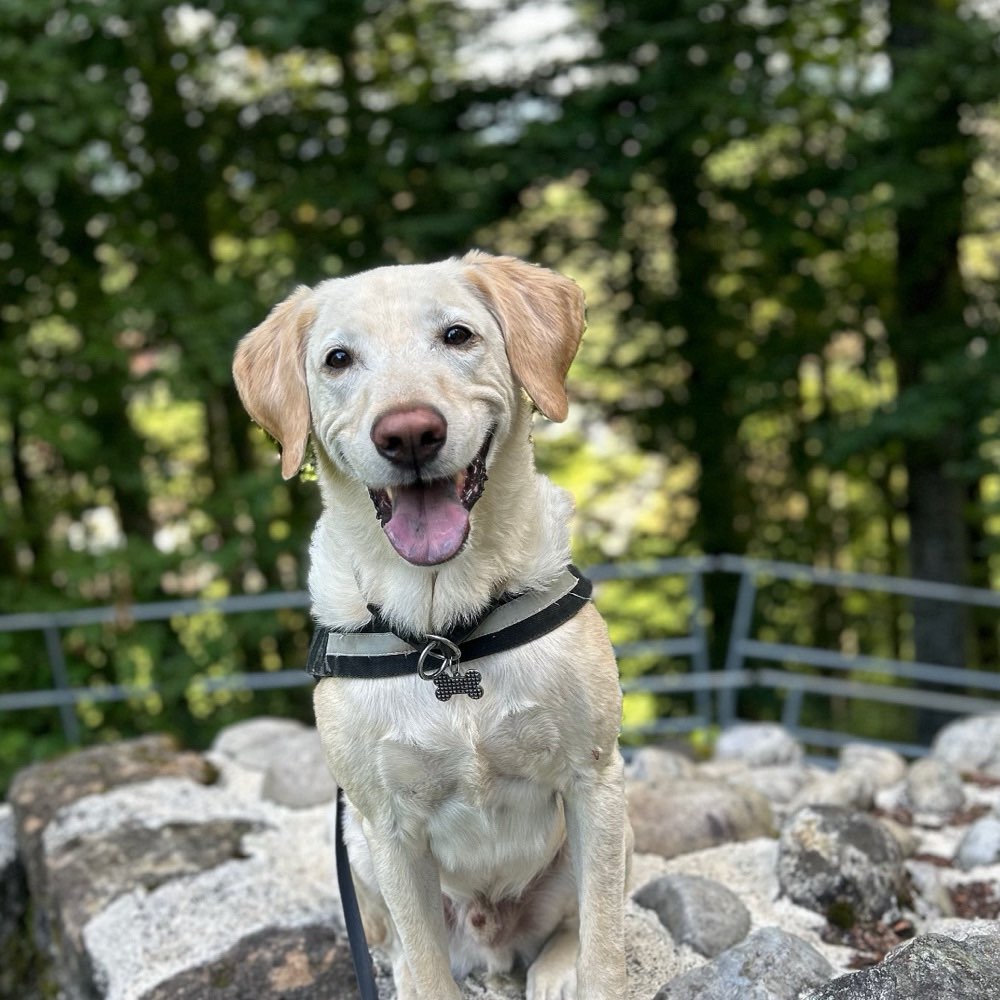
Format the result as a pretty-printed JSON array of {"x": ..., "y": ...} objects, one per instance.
[{"x": 138, "y": 871}]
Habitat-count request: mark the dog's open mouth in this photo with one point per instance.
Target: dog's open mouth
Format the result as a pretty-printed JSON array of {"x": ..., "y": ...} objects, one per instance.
[{"x": 428, "y": 522}]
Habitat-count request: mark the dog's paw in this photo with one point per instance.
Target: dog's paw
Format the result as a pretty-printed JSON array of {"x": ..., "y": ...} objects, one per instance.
[
  {"x": 552, "y": 975},
  {"x": 500, "y": 982}
]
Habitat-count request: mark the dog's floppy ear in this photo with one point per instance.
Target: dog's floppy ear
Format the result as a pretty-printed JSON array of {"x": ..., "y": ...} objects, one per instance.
[
  {"x": 269, "y": 371},
  {"x": 541, "y": 315}
]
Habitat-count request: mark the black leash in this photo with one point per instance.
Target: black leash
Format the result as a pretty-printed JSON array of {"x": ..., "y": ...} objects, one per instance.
[{"x": 363, "y": 970}]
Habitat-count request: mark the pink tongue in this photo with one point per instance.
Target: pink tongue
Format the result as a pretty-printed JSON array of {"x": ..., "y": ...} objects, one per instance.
[{"x": 428, "y": 524}]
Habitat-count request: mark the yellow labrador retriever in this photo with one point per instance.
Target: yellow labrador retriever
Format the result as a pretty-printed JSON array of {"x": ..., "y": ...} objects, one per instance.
[{"x": 486, "y": 821}]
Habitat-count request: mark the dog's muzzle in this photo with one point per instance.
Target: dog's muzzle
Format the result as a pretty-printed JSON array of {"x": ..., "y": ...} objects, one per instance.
[{"x": 428, "y": 522}]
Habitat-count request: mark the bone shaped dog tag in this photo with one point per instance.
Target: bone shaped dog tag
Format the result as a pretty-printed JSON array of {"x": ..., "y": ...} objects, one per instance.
[{"x": 469, "y": 683}]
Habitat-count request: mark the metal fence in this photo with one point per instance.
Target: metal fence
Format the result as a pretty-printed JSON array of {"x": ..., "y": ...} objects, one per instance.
[
  {"x": 789, "y": 672},
  {"x": 798, "y": 667}
]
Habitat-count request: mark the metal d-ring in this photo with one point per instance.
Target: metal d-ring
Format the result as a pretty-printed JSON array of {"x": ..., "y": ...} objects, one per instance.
[{"x": 442, "y": 649}]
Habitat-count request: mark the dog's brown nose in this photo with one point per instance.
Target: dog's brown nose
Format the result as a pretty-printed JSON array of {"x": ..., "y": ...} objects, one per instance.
[{"x": 410, "y": 437}]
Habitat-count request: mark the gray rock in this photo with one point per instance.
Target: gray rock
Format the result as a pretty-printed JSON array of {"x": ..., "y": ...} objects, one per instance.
[
  {"x": 298, "y": 777},
  {"x": 839, "y": 862},
  {"x": 18, "y": 968},
  {"x": 301, "y": 963},
  {"x": 747, "y": 869},
  {"x": 168, "y": 887},
  {"x": 650, "y": 955},
  {"x": 907, "y": 837},
  {"x": 933, "y": 787},
  {"x": 883, "y": 767},
  {"x": 142, "y": 835},
  {"x": 971, "y": 744},
  {"x": 103, "y": 847},
  {"x": 150, "y": 805},
  {"x": 8, "y": 834},
  {"x": 930, "y": 896},
  {"x": 13, "y": 891},
  {"x": 257, "y": 743},
  {"x": 768, "y": 965},
  {"x": 851, "y": 788},
  {"x": 778, "y": 783},
  {"x": 759, "y": 744},
  {"x": 39, "y": 792},
  {"x": 683, "y": 815},
  {"x": 731, "y": 769},
  {"x": 148, "y": 937},
  {"x": 169, "y": 942},
  {"x": 697, "y": 912},
  {"x": 960, "y": 930},
  {"x": 658, "y": 764},
  {"x": 980, "y": 845},
  {"x": 930, "y": 967}
]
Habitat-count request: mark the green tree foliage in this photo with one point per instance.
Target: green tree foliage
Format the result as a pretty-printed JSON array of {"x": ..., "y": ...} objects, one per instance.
[
  {"x": 794, "y": 198},
  {"x": 784, "y": 215},
  {"x": 167, "y": 173}
]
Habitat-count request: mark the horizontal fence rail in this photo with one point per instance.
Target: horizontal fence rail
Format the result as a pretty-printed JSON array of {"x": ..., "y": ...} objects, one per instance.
[
  {"x": 745, "y": 648},
  {"x": 790, "y": 672}
]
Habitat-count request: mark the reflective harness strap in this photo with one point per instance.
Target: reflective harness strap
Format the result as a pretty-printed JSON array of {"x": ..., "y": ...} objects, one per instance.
[{"x": 376, "y": 651}]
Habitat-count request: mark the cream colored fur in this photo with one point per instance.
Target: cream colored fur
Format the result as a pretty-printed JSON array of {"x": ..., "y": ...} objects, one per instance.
[{"x": 481, "y": 832}]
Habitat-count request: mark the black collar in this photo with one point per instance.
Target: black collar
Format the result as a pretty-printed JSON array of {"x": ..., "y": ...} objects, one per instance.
[{"x": 376, "y": 651}]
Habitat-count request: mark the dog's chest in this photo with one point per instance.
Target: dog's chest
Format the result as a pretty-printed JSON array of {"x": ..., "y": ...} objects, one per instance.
[
  {"x": 482, "y": 790},
  {"x": 471, "y": 756}
]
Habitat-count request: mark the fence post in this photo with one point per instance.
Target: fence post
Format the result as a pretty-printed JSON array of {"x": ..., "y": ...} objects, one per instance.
[
  {"x": 742, "y": 621},
  {"x": 60, "y": 681},
  {"x": 791, "y": 712},
  {"x": 699, "y": 658}
]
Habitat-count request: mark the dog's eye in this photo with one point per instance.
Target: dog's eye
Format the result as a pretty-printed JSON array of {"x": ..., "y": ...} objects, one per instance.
[
  {"x": 338, "y": 358},
  {"x": 457, "y": 335}
]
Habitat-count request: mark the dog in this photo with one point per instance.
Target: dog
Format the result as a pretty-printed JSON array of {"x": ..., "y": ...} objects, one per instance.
[{"x": 486, "y": 831}]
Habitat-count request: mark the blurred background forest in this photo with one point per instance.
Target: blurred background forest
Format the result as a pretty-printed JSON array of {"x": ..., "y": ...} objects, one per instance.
[{"x": 786, "y": 217}]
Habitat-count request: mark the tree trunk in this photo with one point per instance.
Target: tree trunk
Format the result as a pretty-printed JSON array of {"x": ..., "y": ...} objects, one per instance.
[
  {"x": 714, "y": 426},
  {"x": 927, "y": 327}
]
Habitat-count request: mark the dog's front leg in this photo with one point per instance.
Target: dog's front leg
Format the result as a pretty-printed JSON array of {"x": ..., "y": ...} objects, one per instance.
[
  {"x": 410, "y": 885},
  {"x": 596, "y": 830}
]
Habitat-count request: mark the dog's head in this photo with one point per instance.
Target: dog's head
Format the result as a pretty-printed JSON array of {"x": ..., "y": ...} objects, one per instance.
[{"x": 407, "y": 376}]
